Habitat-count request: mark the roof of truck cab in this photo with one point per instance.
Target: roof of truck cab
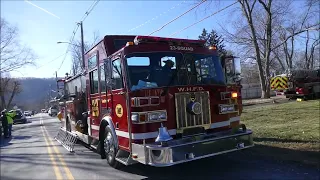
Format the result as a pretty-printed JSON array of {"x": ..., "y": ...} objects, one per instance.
[{"x": 111, "y": 37}]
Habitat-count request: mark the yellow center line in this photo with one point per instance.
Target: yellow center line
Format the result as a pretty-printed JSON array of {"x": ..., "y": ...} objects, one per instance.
[
  {"x": 54, "y": 164},
  {"x": 65, "y": 167}
]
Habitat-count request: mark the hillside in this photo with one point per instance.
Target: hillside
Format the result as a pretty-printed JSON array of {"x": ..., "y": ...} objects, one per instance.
[{"x": 35, "y": 91}]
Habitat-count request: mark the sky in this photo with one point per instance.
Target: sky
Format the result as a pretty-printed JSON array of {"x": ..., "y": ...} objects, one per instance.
[{"x": 43, "y": 26}]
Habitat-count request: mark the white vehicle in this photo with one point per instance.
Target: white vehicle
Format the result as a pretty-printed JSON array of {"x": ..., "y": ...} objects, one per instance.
[
  {"x": 53, "y": 111},
  {"x": 27, "y": 113}
]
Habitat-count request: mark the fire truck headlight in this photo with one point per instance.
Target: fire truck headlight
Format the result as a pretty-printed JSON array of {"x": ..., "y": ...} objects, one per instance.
[
  {"x": 163, "y": 115},
  {"x": 153, "y": 116},
  {"x": 135, "y": 117}
]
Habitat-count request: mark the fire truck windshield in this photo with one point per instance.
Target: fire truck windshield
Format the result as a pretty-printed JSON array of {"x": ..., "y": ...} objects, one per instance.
[{"x": 160, "y": 69}]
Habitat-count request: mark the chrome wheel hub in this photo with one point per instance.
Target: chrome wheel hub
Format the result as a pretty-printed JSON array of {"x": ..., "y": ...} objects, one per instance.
[{"x": 108, "y": 144}]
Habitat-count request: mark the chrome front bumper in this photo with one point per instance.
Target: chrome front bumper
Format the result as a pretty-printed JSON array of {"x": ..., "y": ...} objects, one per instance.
[{"x": 191, "y": 148}]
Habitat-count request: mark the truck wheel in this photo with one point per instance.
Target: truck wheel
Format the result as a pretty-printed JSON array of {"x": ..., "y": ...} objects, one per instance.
[{"x": 110, "y": 149}]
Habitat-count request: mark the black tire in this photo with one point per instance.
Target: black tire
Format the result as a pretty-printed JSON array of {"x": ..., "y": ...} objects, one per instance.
[{"x": 108, "y": 148}]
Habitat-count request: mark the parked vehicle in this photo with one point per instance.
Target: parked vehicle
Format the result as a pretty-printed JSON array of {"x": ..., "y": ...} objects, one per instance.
[
  {"x": 27, "y": 113},
  {"x": 53, "y": 111},
  {"x": 20, "y": 117},
  {"x": 300, "y": 83}
]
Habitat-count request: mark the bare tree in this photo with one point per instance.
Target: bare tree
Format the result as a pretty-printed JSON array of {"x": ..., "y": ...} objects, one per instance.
[
  {"x": 256, "y": 36},
  {"x": 309, "y": 55},
  {"x": 266, "y": 26},
  {"x": 14, "y": 55},
  {"x": 77, "y": 53},
  {"x": 9, "y": 88},
  {"x": 290, "y": 32}
]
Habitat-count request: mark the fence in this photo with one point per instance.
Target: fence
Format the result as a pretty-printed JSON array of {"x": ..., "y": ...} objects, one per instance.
[{"x": 251, "y": 91}]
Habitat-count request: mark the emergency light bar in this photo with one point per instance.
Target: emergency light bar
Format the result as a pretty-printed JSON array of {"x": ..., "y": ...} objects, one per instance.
[{"x": 153, "y": 39}]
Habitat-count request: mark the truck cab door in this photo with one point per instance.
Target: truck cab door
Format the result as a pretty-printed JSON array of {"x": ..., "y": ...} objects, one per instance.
[{"x": 118, "y": 100}]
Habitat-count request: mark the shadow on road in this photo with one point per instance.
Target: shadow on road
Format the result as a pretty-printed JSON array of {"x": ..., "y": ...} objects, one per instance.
[
  {"x": 32, "y": 125},
  {"x": 10, "y": 178},
  {"x": 306, "y": 158},
  {"x": 5, "y": 141},
  {"x": 21, "y": 137},
  {"x": 247, "y": 164}
]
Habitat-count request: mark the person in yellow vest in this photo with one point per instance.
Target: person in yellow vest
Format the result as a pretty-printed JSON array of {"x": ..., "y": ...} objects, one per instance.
[
  {"x": 10, "y": 116},
  {"x": 4, "y": 123}
]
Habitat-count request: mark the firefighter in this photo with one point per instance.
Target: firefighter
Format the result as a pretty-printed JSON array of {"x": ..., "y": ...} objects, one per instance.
[
  {"x": 4, "y": 123},
  {"x": 9, "y": 116},
  {"x": 168, "y": 65}
]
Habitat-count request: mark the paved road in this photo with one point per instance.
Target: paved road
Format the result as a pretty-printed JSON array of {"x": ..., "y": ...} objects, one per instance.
[{"x": 32, "y": 153}]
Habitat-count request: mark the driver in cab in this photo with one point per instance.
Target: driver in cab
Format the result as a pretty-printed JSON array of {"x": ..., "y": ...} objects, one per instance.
[
  {"x": 161, "y": 76},
  {"x": 167, "y": 66}
]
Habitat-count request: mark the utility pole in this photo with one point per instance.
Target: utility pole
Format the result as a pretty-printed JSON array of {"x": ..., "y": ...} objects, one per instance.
[
  {"x": 50, "y": 94},
  {"x": 82, "y": 45},
  {"x": 57, "y": 81}
]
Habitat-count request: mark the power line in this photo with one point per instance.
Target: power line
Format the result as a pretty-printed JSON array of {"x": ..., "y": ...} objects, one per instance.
[
  {"x": 50, "y": 61},
  {"x": 45, "y": 63},
  {"x": 71, "y": 40},
  {"x": 178, "y": 17},
  {"x": 86, "y": 14},
  {"x": 204, "y": 18},
  {"x": 156, "y": 17},
  {"x": 89, "y": 10}
]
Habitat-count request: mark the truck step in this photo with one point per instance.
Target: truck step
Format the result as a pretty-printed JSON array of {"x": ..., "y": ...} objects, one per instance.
[
  {"x": 66, "y": 139},
  {"x": 124, "y": 158}
]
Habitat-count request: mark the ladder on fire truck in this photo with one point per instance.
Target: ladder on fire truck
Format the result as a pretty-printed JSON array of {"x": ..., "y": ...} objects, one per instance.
[{"x": 66, "y": 139}]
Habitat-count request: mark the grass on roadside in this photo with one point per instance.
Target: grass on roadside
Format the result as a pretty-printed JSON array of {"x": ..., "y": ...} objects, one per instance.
[{"x": 286, "y": 131}]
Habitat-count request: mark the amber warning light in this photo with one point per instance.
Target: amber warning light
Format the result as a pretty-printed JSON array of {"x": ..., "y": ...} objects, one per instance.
[
  {"x": 212, "y": 47},
  {"x": 234, "y": 95},
  {"x": 129, "y": 44}
]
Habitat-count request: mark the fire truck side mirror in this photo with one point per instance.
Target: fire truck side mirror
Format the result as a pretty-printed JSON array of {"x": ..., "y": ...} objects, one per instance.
[
  {"x": 232, "y": 67},
  {"x": 237, "y": 66},
  {"x": 222, "y": 61}
]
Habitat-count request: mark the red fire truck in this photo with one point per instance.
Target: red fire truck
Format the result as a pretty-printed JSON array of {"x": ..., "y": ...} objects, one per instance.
[
  {"x": 299, "y": 83},
  {"x": 157, "y": 101}
]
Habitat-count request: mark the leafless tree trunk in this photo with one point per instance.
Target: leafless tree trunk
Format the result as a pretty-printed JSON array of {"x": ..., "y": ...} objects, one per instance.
[
  {"x": 9, "y": 88},
  {"x": 309, "y": 55},
  {"x": 261, "y": 45}
]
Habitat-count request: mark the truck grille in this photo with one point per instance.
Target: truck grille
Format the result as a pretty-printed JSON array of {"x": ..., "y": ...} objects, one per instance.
[{"x": 186, "y": 119}]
